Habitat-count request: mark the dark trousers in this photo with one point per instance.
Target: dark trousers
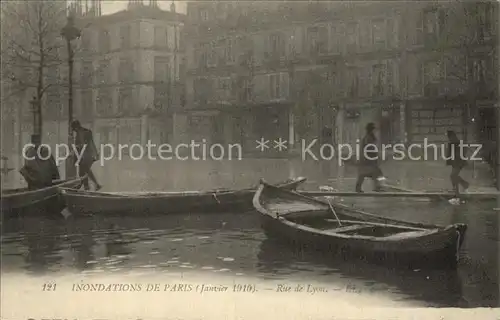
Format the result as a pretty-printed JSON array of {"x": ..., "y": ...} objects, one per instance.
[
  {"x": 457, "y": 180},
  {"x": 85, "y": 169},
  {"x": 372, "y": 171}
]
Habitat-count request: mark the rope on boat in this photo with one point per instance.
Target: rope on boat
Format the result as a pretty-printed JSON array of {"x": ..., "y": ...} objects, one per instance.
[
  {"x": 331, "y": 208},
  {"x": 215, "y": 197}
]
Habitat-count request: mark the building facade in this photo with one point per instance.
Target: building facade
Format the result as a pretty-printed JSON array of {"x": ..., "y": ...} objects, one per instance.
[
  {"x": 128, "y": 69},
  {"x": 323, "y": 70}
]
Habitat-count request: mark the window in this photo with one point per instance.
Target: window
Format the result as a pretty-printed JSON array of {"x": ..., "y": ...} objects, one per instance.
[
  {"x": 479, "y": 70},
  {"x": 379, "y": 33},
  {"x": 433, "y": 72},
  {"x": 335, "y": 37},
  {"x": 278, "y": 86},
  {"x": 105, "y": 135},
  {"x": 229, "y": 55},
  {"x": 318, "y": 40},
  {"x": 212, "y": 56},
  {"x": 161, "y": 37},
  {"x": 86, "y": 73},
  {"x": 161, "y": 97},
  {"x": 220, "y": 50},
  {"x": 352, "y": 89},
  {"x": 103, "y": 72},
  {"x": 224, "y": 89},
  {"x": 125, "y": 102},
  {"x": 86, "y": 44},
  {"x": 378, "y": 79},
  {"x": 126, "y": 71},
  {"x": 246, "y": 91},
  {"x": 53, "y": 76},
  {"x": 125, "y": 40},
  {"x": 277, "y": 45},
  {"x": 203, "y": 55},
  {"x": 54, "y": 103},
  {"x": 352, "y": 36},
  {"x": 204, "y": 16},
  {"x": 485, "y": 20},
  {"x": 433, "y": 24},
  {"x": 86, "y": 104},
  {"x": 274, "y": 89},
  {"x": 104, "y": 41},
  {"x": 104, "y": 102},
  {"x": 202, "y": 89},
  {"x": 162, "y": 69}
]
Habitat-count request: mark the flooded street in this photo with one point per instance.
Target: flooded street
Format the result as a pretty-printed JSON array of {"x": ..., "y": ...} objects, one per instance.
[{"x": 233, "y": 247}]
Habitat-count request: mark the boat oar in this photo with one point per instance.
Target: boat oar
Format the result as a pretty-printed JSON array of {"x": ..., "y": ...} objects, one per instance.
[{"x": 333, "y": 211}]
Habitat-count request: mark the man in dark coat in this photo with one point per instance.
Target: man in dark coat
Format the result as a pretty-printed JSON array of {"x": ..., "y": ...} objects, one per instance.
[
  {"x": 84, "y": 140},
  {"x": 455, "y": 159},
  {"x": 40, "y": 168},
  {"x": 368, "y": 160}
]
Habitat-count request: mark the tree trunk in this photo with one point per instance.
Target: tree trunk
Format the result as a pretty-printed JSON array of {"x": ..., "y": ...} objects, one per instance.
[{"x": 39, "y": 88}]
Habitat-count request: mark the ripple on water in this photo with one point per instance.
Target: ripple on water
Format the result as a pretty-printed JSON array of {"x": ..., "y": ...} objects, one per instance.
[{"x": 176, "y": 240}]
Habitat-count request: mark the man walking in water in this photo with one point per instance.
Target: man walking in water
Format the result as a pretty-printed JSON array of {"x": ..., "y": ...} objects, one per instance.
[
  {"x": 84, "y": 140},
  {"x": 455, "y": 159},
  {"x": 368, "y": 161}
]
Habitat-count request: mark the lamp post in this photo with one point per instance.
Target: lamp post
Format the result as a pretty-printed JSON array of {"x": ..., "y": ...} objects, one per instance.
[{"x": 69, "y": 32}]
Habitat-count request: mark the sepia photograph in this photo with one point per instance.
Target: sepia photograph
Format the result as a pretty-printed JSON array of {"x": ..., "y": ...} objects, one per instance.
[{"x": 259, "y": 159}]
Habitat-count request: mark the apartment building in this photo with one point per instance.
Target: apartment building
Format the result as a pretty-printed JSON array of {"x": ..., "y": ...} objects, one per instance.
[
  {"x": 324, "y": 69},
  {"x": 127, "y": 74}
]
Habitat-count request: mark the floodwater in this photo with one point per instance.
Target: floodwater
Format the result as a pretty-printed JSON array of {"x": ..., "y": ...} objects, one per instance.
[{"x": 232, "y": 245}]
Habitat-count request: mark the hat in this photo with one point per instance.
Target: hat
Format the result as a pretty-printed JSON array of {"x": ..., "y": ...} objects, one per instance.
[
  {"x": 75, "y": 124},
  {"x": 370, "y": 126},
  {"x": 36, "y": 138}
]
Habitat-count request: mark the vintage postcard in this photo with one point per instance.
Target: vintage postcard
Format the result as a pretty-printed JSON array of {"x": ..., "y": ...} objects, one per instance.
[{"x": 250, "y": 160}]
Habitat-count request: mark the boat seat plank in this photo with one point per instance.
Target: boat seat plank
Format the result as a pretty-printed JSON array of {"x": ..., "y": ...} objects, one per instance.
[
  {"x": 348, "y": 228},
  {"x": 408, "y": 234}
]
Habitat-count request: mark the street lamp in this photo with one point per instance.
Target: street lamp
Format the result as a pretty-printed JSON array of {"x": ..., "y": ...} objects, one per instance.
[{"x": 69, "y": 32}]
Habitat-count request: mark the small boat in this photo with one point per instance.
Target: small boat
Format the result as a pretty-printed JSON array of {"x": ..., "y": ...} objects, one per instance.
[
  {"x": 338, "y": 229},
  {"x": 23, "y": 201},
  {"x": 141, "y": 203}
]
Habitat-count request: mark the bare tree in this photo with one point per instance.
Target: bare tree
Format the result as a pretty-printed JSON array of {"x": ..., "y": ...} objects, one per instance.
[{"x": 31, "y": 44}]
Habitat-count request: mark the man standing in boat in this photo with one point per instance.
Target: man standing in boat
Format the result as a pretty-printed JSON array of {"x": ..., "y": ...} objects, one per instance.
[
  {"x": 368, "y": 160},
  {"x": 40, "y": 167},
  {"x": 84, "y": 140}
]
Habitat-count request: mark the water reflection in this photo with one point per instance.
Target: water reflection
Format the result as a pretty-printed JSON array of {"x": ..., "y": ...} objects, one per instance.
[
  {"x": 233, "y": 244},
  {"x": 437, "y": 288},
  {"x": 43, "y": 243}
]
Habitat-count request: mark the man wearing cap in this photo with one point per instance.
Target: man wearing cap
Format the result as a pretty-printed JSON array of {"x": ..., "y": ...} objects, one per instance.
[
  {"x": 84, "y": 140},
  {"x": 368, "y": 160}
]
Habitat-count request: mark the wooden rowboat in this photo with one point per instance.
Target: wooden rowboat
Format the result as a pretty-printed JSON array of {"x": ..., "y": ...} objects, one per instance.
[
  {"x": 338, "y": 229},
  {"x": 22, "y": 201},
  {"x": 141, "y": 203}
]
